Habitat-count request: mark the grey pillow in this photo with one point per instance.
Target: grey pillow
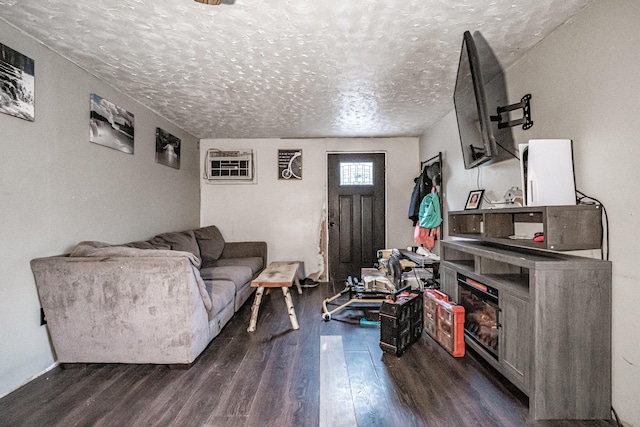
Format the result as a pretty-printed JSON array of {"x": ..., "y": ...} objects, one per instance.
[
  {"x": 179, "y": 241},
  {"x": 211, "y": 243}
]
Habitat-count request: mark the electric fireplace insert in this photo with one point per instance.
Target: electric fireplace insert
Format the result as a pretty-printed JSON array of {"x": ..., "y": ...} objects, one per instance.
[{"x": 481, "y": 313}]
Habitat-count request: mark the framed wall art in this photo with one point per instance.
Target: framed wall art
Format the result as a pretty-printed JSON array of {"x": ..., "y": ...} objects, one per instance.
[
  {"x": 167, "y": 149},
  {"x": 111, "y": 126},
  {"x": 290, "y": 164},
  {"x": 17, "y": 84}
]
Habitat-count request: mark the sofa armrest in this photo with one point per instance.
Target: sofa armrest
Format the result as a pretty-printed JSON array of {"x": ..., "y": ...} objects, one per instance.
[
  {"x": 245, "y": 250},
  {"x": 122, "y": 310}
]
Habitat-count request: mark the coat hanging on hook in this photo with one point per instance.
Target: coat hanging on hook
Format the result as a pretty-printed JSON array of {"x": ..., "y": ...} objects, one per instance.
[
  {"x": 422, "y": 187},
  {"x": 427, "y": 229}
]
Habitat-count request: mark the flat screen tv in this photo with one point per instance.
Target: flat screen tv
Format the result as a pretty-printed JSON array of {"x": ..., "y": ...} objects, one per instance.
[{"x": 480, "y": 90}]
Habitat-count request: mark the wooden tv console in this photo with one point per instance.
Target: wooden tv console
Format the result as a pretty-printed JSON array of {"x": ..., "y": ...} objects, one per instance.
[{"x": 554, "y": 323}]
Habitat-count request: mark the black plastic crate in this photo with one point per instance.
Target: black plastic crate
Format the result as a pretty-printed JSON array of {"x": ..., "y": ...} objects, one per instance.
[{"x": 401, "y": 322}]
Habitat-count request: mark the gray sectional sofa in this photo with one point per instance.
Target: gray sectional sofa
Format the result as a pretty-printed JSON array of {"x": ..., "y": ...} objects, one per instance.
[{"x": 159, "y": 301}]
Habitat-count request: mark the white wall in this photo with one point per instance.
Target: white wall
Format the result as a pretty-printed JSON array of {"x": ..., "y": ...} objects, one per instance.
[
  {"x": 495, "y": 179},
  {"x": 57, "y": 188},
  {"x": 585, "y": 86},
  {"x": 288, "y": 214}
]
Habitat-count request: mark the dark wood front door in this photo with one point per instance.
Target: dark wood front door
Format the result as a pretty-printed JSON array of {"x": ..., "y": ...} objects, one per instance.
[{"x": 356, "y": 212}]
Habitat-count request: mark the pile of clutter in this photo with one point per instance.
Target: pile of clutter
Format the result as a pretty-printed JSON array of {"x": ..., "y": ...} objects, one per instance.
[{"x": 416, "y": 267}]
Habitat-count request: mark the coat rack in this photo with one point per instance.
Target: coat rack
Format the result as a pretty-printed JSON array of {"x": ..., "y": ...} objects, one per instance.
[
  {"x": 436, "y": 160},
  {"x": 431, "y": 162},
  {"x": 433, "y": 168}
]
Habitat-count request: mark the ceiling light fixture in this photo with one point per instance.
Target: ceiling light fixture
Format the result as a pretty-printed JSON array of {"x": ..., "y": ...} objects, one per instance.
[{"x": 214, "y": 2}]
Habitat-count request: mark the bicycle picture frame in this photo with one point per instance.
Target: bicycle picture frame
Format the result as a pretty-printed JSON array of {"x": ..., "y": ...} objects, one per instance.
[{"x": 290, "y": 164}]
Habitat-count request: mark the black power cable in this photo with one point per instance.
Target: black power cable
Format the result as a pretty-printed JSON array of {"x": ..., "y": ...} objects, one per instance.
[
  {"x": 615, "y": 414},
  {"x": 584, "y": 199}
]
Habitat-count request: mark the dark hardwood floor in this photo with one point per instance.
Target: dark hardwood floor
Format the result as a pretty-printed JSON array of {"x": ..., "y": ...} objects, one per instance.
[{"x": 272, "y": 377}]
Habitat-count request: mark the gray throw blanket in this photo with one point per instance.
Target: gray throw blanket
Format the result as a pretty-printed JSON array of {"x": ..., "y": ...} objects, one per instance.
[{"x": 100, "y": 249}]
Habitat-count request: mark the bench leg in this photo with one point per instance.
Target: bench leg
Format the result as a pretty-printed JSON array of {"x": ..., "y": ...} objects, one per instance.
[
  {"x": 254, "y": 309},
  {"x": 298, "y": 286},
  {"x": 290, "y": 309}
]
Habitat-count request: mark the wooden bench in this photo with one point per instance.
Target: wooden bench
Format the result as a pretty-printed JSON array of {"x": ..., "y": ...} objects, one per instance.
[{"x": 278, "y": 274}]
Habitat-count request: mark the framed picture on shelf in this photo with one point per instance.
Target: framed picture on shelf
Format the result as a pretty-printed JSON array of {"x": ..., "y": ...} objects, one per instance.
[{"x": 474, "y": 200}]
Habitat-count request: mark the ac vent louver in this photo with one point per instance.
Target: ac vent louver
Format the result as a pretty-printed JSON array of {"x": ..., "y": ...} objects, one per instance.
[{"x": 229, "y": 165}]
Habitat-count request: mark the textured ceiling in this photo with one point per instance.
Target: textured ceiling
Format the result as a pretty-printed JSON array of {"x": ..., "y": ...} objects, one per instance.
[{"x": 286, "y": 68}]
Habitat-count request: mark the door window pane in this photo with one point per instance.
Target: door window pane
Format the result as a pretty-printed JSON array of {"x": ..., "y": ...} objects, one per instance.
[{"x": 356, "y": 173}]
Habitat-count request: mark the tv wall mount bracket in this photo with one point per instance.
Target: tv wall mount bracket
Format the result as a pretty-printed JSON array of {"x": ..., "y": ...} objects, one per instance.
[{"x": 525, "y": 121}]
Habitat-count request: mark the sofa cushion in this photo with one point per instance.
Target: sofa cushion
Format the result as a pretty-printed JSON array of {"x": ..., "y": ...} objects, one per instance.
[
  {"x": 211, "y": 243},
  {"x": 222, "y": 293},
  {"x": 254, "y": 263},
  {"x": 239, "y": 275},
  {"x": 179, "y": 241}
]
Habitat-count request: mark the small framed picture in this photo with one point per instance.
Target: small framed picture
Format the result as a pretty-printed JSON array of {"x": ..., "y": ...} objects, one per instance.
[
  {"x": 474, "y": 200},
  {"x": 167, "y": 149},
  {"x": 110, "y": 125},
  {"x": 290, "y": 164}
]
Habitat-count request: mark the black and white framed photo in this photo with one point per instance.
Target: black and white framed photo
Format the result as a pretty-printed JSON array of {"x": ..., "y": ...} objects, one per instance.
[
  {"x": 290, "y": 164},
  {"x": 167, "y": 149},
  {"x": 474, "y": 200},
  {"x": 111, "y": 126},
  {"x": 17, "y": 84}
]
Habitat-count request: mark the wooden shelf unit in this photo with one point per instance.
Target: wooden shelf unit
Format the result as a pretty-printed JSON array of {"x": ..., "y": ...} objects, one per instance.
[
  {"x": 554, "y": 323},
  {"x": 565, "y": 228}
]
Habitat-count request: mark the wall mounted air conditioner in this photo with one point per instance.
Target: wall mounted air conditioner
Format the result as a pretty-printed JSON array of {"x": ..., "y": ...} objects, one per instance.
[{"x": 229, "y": 165}]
